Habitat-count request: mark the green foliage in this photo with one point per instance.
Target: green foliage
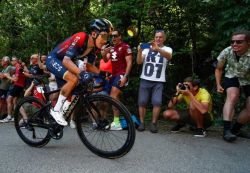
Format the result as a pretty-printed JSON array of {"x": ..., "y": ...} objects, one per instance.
[{"x": 196, "y": 30}]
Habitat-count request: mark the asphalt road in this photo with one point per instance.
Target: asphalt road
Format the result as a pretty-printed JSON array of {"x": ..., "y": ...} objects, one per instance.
[{"x": 152, "y": 153}]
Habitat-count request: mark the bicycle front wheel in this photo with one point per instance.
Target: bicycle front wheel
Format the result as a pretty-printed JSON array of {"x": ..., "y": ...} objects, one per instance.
[
  {"x": 93, "y": 127},
  {"x": 31, "y": 122}
]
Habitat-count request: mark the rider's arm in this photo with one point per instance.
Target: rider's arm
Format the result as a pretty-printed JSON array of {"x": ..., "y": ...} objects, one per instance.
[
  {"x": 92, "y": 68},
  {"x": 70, "y": 66}
]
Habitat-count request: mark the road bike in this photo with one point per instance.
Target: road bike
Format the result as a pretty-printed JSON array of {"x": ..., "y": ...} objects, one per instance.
[{"x": 93, "y": 114}]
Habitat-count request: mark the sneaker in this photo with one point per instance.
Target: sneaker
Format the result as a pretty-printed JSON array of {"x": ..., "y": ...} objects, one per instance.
[
  {"x": 58, "y": 117},
  {"x": 6, "y": 120},
  {"x": 24, "y": 125},
  {"x": 114, "y": 126},
  {"x": 153, "y": 128},
  {"x": 200, "y": 133},
  {"x": 229, "y": 136},
  {"x": 72, "y": 124},
  {"x": 177, "y": 127},
  {"x": 141, "y": 127}
]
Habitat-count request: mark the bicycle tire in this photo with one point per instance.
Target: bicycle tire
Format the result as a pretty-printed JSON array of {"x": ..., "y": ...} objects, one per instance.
[
  {"x": 99, "y": 139},
  {"x": 30, "y": 132}
]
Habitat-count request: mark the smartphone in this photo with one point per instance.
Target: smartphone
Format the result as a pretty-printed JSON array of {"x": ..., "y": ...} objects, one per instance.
[{"x": 145, "y": 45}]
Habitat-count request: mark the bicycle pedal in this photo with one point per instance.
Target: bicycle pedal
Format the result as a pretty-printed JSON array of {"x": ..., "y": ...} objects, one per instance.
[{"x": 55, "y": 133}]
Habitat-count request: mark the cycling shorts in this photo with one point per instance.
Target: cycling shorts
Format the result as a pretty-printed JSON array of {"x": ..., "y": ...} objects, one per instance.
[{"x": 55, "y": 66}]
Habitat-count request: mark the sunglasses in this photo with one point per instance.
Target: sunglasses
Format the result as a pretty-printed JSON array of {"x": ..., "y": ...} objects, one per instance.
[
  {"x": 104, "y": 36},
  {"x": 237, "y": 41},
  {"x": 115, "y": 35}
]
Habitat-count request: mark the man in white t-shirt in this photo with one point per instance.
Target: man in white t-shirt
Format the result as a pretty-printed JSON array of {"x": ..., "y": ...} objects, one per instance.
[{"x": 154, "y": 57}]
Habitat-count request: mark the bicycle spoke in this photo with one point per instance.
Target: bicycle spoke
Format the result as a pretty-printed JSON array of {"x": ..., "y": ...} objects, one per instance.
[
  {"x": 30, "y": 122},
  {"x": 100, "y": 138}
]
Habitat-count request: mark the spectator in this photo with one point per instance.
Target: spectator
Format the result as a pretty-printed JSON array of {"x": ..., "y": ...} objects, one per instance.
[
  {"x": 199, "y": 105},
  {"x": 154, "y": 58},
  {"x": 36, "y": 90},
  {"x": 18, "y": 85},
  {"x": 42, "y": 65},
  {"x": 121, "y": 60},
  {"x": 4, "y": 84},
  {"x": 43, "y": 59},
  {"x": 237, "y": 76},
  {"x": 36, "y": 68}
]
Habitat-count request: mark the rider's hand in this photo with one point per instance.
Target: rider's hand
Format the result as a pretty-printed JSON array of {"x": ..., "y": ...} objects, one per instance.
[{"x": 86, "y": 77}]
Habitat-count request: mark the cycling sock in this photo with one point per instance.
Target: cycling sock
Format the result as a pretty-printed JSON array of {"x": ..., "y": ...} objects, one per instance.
[
  {"x": 66, "y": 105},
  {"x": 59, "y": 103},
  {"x": 116, "y": 120}
]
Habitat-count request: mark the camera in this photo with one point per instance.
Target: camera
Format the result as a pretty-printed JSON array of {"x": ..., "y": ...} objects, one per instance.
[
  {"x": 182, "y": 86},
  {"x": 145, "y": 45}
]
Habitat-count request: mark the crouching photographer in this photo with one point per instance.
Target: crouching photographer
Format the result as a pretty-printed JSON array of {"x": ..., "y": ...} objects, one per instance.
[{"x": 199, "y": 104}]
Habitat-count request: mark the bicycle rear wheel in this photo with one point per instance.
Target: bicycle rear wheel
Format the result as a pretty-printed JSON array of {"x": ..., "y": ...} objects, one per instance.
[
  {"x": 31, "y": 122},
  {"x": 93, "y": 127}
]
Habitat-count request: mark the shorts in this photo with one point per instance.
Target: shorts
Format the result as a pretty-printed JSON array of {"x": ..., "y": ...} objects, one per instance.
[
  {"x": 16, "y": 91},
  {"x": 234, "y": 82},
  {"x": 3, "y": 94},
  {"x": 150, "y": 89},
  {"x": 55, "y": 66},
  {"x": 186, "y": 118},
  {"x": 231, "y": 82},
  {"x": 114, "y": 82}
]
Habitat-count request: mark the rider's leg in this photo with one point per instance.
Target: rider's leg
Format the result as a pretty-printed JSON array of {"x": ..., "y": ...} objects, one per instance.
[{"x": 71, "y": 82}]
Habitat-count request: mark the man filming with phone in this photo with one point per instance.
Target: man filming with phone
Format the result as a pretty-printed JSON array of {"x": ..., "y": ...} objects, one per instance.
[
  {"x": 154, "y": 57},
  {"x": 199, "y": 104}
]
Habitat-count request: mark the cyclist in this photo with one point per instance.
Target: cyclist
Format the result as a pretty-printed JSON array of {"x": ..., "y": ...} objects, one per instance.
[{"x": 61, "y": 63}]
